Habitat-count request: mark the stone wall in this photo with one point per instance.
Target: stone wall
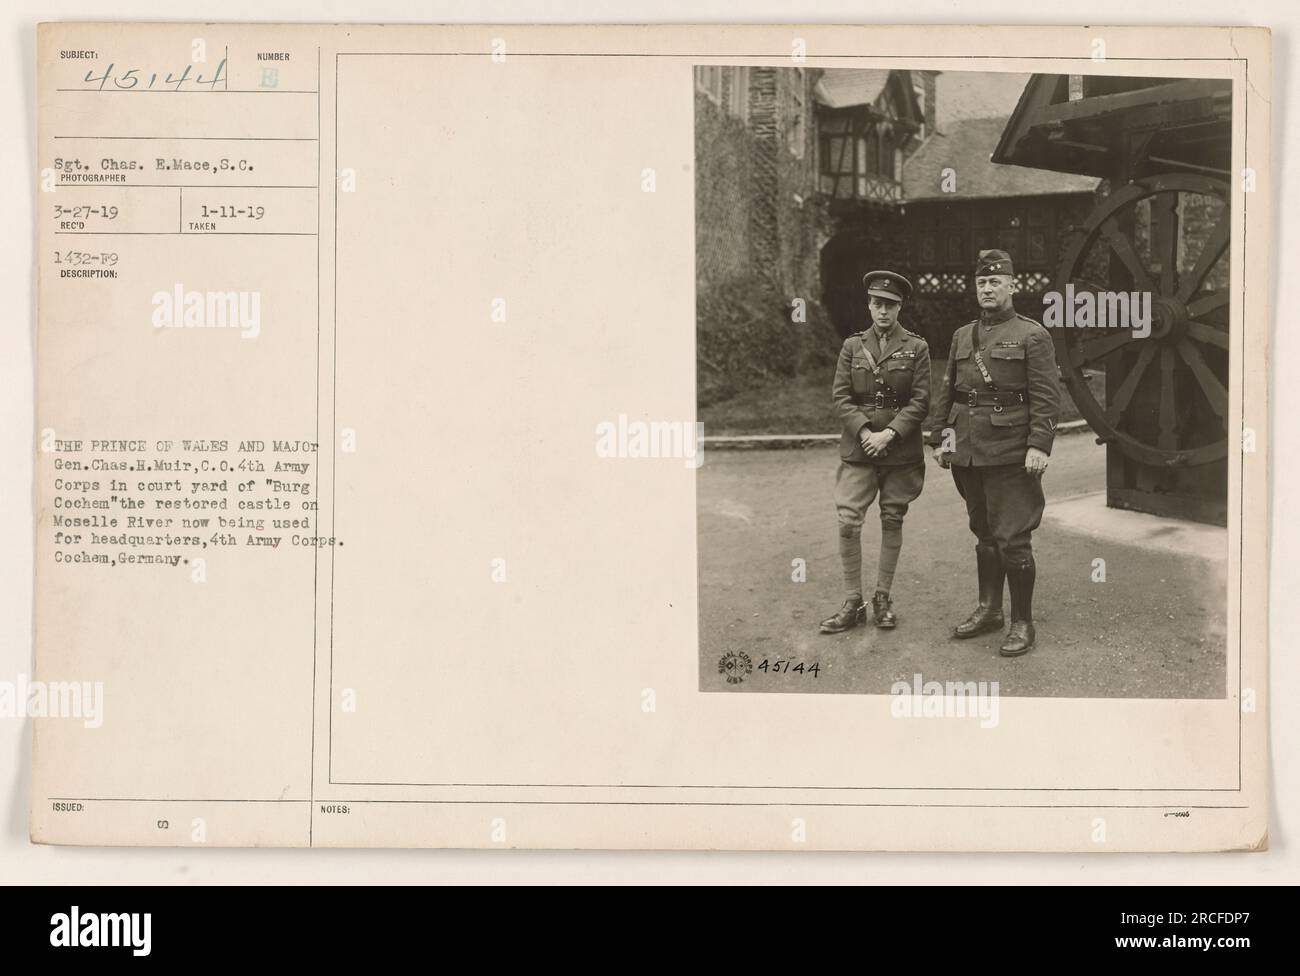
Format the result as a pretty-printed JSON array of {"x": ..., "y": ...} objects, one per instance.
[{"x": 758, "y": 235}]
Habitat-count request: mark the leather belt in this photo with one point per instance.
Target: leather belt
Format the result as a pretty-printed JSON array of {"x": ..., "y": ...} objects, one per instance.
[
  {"x": 989, "y": 398},
  {"x": 880, "y": 399}
]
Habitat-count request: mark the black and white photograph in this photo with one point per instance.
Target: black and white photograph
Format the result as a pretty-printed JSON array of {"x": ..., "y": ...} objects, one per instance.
[
  {"x": 728, "y": 445},
  {"x": 963, "y": 374}
]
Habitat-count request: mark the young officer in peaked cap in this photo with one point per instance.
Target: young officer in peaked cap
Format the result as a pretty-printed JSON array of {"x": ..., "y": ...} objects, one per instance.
[
  {"x": 881, "y": 394},
  {"x": 998, "y": 405}
]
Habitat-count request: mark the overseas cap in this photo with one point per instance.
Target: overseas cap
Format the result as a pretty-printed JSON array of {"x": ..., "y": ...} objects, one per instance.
[{"x": 993, "y": 262}]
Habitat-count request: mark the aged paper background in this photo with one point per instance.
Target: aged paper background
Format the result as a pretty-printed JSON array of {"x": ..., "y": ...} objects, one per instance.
[{"x": 603, "y": 278}]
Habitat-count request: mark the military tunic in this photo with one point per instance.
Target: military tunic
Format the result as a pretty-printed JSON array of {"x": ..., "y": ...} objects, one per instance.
[
  {"x": 989, "y": 427},
  {"x": 881, "y": 388}
]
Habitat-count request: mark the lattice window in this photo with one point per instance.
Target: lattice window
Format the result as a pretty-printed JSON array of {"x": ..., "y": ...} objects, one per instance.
[
  {"x": 941, "y": 284},
  {"x": 1032, "y": 281}
]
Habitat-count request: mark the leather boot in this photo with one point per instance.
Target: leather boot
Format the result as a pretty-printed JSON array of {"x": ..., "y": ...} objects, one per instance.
[
  {"x": 882, "y": 610},
  {"x": 850, "y": 615},
  {"x": 1020, "y": 636},
  {"x": 988, "y": 615}
]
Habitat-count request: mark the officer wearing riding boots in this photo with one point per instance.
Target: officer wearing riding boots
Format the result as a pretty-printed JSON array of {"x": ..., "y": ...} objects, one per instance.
[
  {"x": 881, "y": 394},
  {"x": 998, "y": 405}
]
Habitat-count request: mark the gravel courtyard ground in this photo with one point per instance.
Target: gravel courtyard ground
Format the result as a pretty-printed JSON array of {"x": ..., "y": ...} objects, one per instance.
[{"x": 1154, "y": 629}]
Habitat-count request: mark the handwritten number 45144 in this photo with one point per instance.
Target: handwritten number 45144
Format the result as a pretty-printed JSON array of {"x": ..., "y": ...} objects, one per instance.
[
  {"x": 140, "y": 79},
  {"x": 779, "y": 666}
]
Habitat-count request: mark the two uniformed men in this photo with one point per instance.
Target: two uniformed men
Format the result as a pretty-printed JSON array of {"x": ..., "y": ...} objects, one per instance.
[
  {"x": 882, "y": 395},
  {"x": 997, "y": 406}
]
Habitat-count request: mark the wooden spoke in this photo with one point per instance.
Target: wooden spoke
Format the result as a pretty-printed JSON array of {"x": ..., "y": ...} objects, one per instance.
[
  {"x": 1149, "y": 417},
  {"x": 1167, "y": 440},
  {"x": 1123, "y": 248},
  {"x": 1164, "y": 245},
  {"x": 1215, "y": 245},
  {"x": 1210, "y": 385},
  {"x": 1206, "y": 304},
  {"x": 1119, "y": 403},
  {"x": 1201, "y": 332},
  {"x": 1086, "y": 284},
  {"x": 1090, "y": 352}
]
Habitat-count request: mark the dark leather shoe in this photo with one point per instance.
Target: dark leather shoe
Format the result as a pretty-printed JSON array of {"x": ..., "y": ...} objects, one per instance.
[
  {"x": 981, "y": 621},
  {"x": 1020, "y": 638},
  {"x": 882, "y": 610},
  {"x": 853, "y": 612}
]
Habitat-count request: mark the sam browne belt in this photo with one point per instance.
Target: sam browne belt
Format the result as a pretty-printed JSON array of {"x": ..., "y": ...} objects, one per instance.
[{"x": 990, "y": 398}]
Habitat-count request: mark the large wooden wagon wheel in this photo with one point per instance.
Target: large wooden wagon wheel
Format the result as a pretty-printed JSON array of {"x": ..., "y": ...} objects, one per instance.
[{"x": 1171, "y": 405}]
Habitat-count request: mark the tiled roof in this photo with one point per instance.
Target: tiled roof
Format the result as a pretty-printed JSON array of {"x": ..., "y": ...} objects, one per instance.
[
  {"x": 976, "y": 95},
  {"x": 842, "y": 87},
  {"x": 965, "y": 147}
]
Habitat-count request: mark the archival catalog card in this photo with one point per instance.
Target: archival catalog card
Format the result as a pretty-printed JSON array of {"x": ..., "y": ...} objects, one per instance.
[{"x": 784, "y": 438}]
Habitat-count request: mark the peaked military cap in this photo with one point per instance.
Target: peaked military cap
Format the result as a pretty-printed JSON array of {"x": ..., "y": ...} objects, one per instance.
[{"x": 887, "y": 284}]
